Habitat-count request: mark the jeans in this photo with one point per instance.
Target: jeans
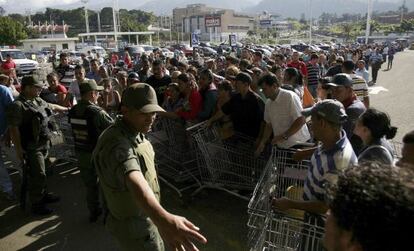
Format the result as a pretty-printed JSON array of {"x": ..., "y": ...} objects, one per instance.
[{"x": 5, "y": 181}]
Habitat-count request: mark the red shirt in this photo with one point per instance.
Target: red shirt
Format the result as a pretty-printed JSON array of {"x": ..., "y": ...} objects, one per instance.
[
  {"x": 195, "y": 104},
  {"x": 8, "y": 64},
  {"x": 59, "y": 89},
  {"x": 301, "y": 66}
]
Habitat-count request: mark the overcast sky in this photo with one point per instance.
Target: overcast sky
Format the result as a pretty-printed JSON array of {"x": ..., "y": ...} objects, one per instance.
[{"x": 22, "y": 5}]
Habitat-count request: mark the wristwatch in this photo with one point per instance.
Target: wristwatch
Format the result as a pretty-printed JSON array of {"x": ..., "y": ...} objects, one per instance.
[{"x": 285, "y": 136}]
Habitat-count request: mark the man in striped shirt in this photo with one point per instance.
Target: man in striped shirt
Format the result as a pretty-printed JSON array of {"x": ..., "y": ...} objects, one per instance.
[
  {"x": 334, "y": 153},
  {"x": 358, "y": 84},
  {"x": 314, "y": 72}
]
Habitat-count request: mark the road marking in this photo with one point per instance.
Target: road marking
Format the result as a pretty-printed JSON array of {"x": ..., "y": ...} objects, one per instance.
[{"x": 376, "y": 89}]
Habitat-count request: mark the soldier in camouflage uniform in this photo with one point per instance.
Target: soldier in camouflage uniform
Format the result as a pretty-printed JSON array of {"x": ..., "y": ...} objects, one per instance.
[
  {"x": 88, "y": 121},
  {"x": 124, "y": 160}
]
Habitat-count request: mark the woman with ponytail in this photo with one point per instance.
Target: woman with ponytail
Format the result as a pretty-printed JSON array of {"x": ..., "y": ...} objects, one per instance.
[
  {"x": 293, "y": 81},
  {"x": 374, "y": 128}
]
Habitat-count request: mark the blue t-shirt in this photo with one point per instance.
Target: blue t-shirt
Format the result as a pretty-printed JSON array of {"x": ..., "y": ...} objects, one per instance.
[{"x": 6, "y": 98}]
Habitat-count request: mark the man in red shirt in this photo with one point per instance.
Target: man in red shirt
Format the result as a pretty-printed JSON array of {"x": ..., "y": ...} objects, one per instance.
[
  {"x": 8, "y": 67},
  {"x": 300, "y": 65}
]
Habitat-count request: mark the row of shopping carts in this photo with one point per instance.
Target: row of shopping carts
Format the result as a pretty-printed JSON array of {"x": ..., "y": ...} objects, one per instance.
[
  {"x": 289, "y": 230},
  {"x": 292, "y": 229},
  {"x": 198, "y": 157}
]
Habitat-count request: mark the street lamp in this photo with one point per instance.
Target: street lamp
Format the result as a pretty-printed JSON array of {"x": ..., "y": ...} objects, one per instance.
[
  {"x": 85, "y": 2},
  {"x": 115, "y": 5},
  {"x": 310, "y": 22},
  {"x": 368, "y": 30}
]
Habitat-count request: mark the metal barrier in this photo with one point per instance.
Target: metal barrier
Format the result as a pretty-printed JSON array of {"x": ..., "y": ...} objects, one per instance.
[
  {"x": 175, "y": 154},
  {"x": 228, "y": 165},
  {"x": 292, "y": 229}
]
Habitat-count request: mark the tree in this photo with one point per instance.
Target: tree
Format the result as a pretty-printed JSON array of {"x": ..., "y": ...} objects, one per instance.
[
  {"x": 11, "y": 31},
  {"x": 407, "y": 25},
  {"x": 347, "y": 29},
  {"x": 2, "y": 11}
]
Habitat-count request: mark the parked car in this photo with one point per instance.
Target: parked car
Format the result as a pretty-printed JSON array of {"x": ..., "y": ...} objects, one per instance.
[
  {"x": 187, "y": 49},
  {"x": 167, "y": 53},
  {"x": 24, "y": 66}
]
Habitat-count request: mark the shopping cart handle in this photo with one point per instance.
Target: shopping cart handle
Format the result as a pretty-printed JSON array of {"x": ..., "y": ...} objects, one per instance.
[{"x": 190, "y": 128}]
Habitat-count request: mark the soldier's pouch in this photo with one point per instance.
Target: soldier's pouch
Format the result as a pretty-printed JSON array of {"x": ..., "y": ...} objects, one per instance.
[{"x": 56, "y": 138}]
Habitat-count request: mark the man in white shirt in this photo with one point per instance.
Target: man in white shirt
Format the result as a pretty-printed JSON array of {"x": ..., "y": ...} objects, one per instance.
[
  {"x": 282, "y": 116},
  {"x": 362, "y": 71},
  {"x": 73, "y": 91}
]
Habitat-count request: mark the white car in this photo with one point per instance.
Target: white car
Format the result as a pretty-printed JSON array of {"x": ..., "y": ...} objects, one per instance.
[
  {"x": 167, "y": 53},
  {"x": 24, "y": 66}
]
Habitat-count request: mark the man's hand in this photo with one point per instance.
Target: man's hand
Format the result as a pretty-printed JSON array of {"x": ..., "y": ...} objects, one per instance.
[
  {"x": 259, "y": 149},
  {"x": 178, "y": 233},
  {"x": 282, "y": 204},
  {"x": 277, "y": 139},
  {"x": 20, "y": 154}
]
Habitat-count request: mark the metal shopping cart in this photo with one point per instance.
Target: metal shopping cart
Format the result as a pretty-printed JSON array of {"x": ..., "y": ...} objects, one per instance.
[
  {"x": 228, "y": 164},
  {"x": 175, "y": 154},
  {"x": 292, "y": 229},
  {"x": 65, "y": 152}
]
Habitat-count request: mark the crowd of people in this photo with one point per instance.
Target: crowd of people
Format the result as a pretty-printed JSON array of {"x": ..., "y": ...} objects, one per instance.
[{"x": 287, "y": 100}]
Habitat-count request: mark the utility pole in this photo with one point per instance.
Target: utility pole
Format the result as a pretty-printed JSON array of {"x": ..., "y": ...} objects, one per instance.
[
  {"x": 170, "y": 30},
  {"x": 99, "y": 20},
  {"x": 310, "y": 22},
  {"x": 368, "y": 30},
  {"x": 85, "y": 2},
  {"x": 402, "y": 11},
  {"x": 115, "y": 25}
]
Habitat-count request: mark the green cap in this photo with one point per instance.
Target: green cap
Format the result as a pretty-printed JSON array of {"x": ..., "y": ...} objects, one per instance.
[
  {"x": 329, "y": 109},
  {"x": 89, "y": 85},
  {"x": 142, "y": 97},
  {"x": 30, "y": 80}
]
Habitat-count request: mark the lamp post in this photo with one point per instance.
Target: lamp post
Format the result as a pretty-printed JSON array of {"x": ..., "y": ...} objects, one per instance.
[
  {"x": 310, "y": 22},
  {"x": 85, "y": 2},
  {"x": 115, "y": 25},
  {"x": 368, "y": 30}
]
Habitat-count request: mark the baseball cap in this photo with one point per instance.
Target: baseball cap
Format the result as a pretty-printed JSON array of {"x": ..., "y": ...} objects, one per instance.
[
  {"x": 329, "y": 109},
  {"x": 341, "y": 79},
  {"x": 244, "y": 78},
  {"x": 340, "y": 59},
  {"x": 142, "y": 97},
  {"x": 89, "y": 85},
  {"x": 30, "y": 80}
]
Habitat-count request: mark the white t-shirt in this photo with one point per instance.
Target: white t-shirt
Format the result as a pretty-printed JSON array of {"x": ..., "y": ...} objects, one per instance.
[
  {"x": 281, "y": 113},
  {"x": 74, "y": 89}
]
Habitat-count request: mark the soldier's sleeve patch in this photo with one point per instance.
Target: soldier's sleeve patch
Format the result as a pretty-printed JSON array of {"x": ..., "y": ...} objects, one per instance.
[{"x": 123, "y": 153}]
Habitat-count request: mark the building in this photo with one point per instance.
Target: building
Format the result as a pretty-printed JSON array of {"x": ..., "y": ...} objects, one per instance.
[
  {"x": 211, "y": 24},
  {"x": 266, "y": 21},
  {"x": 57, "y": 43}
]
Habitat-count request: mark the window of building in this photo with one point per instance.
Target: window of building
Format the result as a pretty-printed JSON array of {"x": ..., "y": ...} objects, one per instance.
[{"x": 65, "y": 46}]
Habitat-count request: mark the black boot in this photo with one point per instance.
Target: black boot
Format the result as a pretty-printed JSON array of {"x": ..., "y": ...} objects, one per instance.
[
  {"x": 50, "y": 198},
  {"x": 41, "y": 209},
  {"x": 94, "y": 215}
]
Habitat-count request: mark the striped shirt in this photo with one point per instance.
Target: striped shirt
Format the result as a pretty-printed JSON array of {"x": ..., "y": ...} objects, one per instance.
[
  {"x": 314, "y": 73},
  {"x": 360, "y": 87},
  {"x": 325, "y": 164}
]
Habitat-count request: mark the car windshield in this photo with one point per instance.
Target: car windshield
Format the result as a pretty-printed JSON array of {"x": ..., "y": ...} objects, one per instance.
[{"x": 13, "y": 54}]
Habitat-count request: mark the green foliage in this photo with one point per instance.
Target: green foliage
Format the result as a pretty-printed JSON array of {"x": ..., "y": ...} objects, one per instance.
[{"x": 11, "y": 31}]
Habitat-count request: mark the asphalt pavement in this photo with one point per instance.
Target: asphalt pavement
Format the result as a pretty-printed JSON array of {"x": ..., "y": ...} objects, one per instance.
[
  {"x": 221, "y": 217},
  {"x": 394, "y": 92}
]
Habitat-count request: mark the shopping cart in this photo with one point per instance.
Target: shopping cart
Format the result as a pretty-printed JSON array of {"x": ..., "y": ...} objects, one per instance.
[
  {"x": 65, "y": 152},
  {"x": 175, "y": 154},
  {"x": 289, "y": 230},
  {"x": 228, "y": 165}
]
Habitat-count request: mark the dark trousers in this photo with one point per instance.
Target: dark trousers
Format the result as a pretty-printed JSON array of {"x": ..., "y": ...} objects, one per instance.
[
  {"x": 90, "y": 180},
  {"x": 36, "y": 174},
  {"x": 375, "y": 74},
  {"x": 390, "y": 59}
]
